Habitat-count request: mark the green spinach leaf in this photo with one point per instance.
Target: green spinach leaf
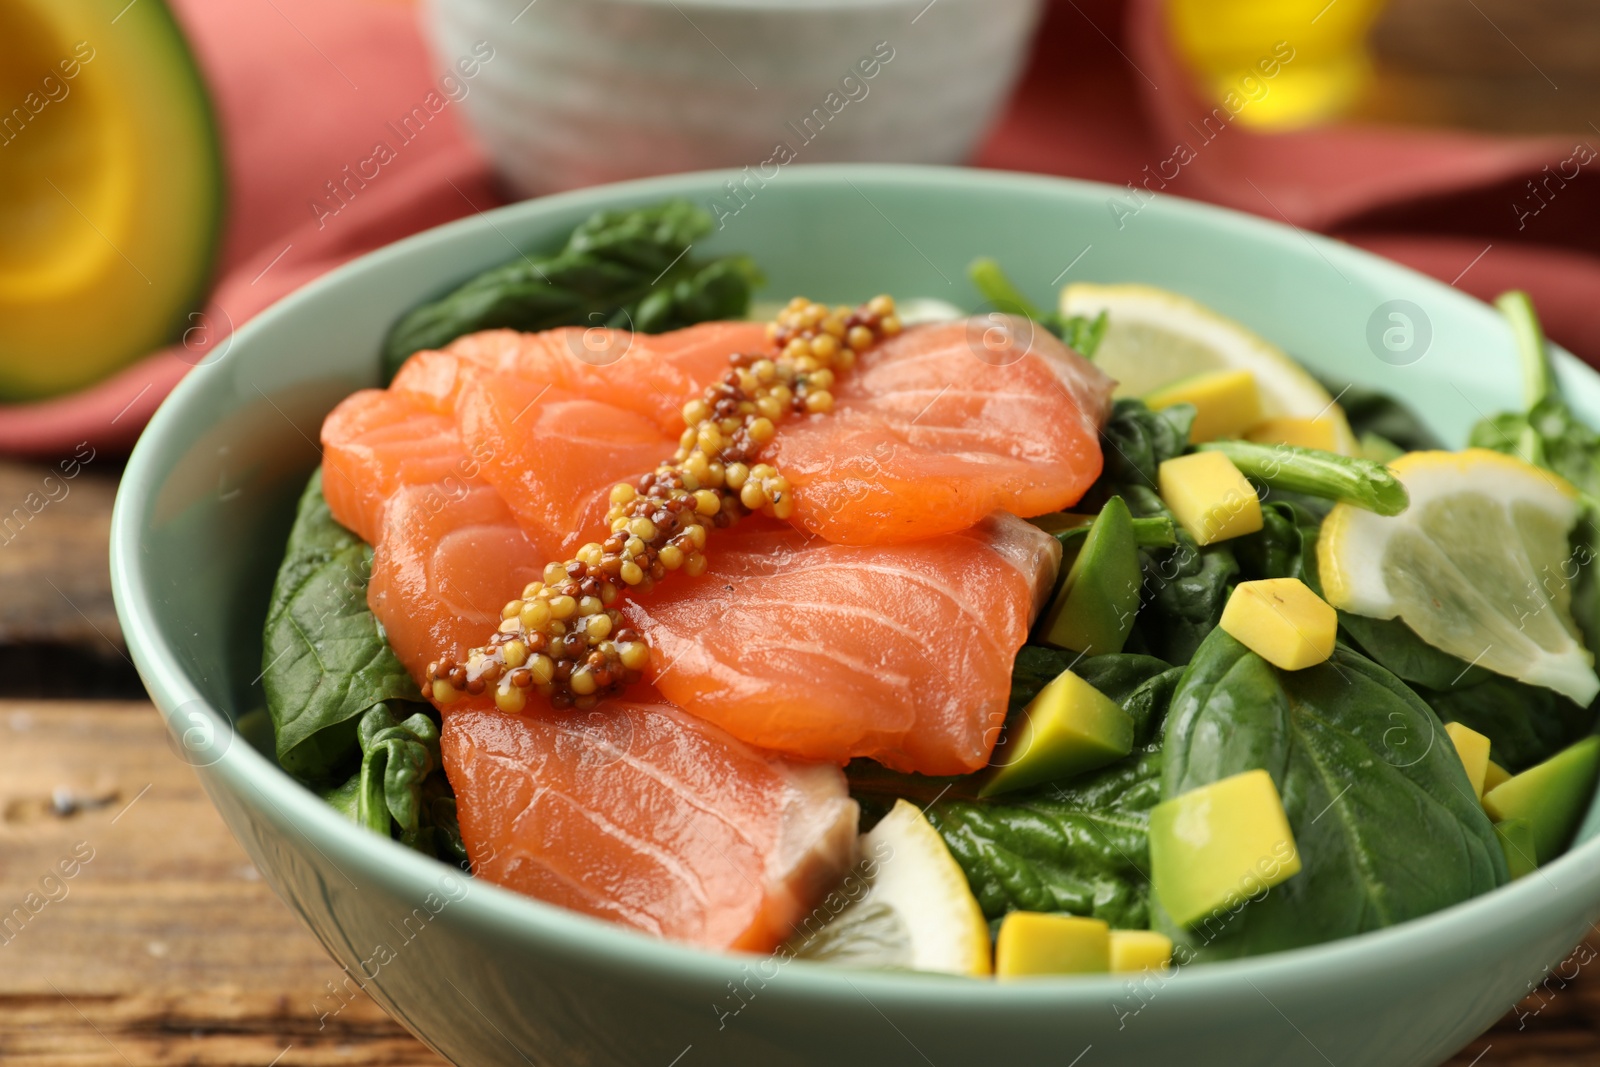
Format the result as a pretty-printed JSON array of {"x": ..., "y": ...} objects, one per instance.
[
  {"x": 399, "y": 789},
  {"x": 395, "y": 759},
  {"x": 1399, "y": 649},
  {"x": 325, "y": 661},
  {"x": 1384, "y": 819},
  {"x": 1284, "y": 546},
  {"x": 447, "y": 843},
  {"x": 1525, "y": 724},
  {"x": 1136, "y": 441},
  {"x": 1143, "y": 685},
  {"x": 1035, "y": 667},
  {"x": 623, "y": 268},
  {"x": 1077, "y": 846},
  {"x": 1116, "y": 675}
]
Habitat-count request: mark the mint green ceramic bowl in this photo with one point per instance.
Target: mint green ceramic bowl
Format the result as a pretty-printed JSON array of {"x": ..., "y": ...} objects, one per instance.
[{"x": 488, "y": 977}]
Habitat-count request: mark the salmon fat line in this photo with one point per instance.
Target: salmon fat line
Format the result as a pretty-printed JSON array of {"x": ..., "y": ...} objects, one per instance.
[{"x": 564, "y": 638}]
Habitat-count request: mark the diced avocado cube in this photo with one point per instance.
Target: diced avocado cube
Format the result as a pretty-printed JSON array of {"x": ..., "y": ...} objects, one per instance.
[
  {"x": 1220, "y": 844},
  {"x": 1094, "y": 608},
  {"x": 1473, "y": 748},
  {"x": 1282, "y": 621},
  {"x": 1516, "y": 839},
  {"x": 1209, "y": 497},
  {"x": 1033, "y": 943},
  {"x": 1226, "y": 402},
  {"x": 1552, "y": 796},
  {"x": 1069, "y": 728},
  {"x": 1138, "y": 950},
  {"x": 1494, "y": 775},
  {"x": 1321, "y": 432}
]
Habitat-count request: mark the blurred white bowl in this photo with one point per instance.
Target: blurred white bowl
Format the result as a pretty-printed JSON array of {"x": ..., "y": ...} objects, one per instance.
[{"x": 580, "y": 92}]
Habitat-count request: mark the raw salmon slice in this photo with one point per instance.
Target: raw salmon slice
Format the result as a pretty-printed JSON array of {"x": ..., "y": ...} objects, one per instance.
[
  {"x": 901, "y": 653},
  {"x": 639, "y": 813},
  {"x": 376, "y": 443},
  {"x": 554, "y": 455},
  {"x": 530, "y": 435},
  {"x": 555, "y": 419},
  {"x": 444, "y": 563},
  {"x": 548, "y": 427},
  {"x": 938, "y": 427},
  {"x": 447, "y": 551},
  {"x": 650, "y": 375}
]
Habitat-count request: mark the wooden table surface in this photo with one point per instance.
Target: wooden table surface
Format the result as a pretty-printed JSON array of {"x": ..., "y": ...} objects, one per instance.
[{"x": 166, "y": 947}]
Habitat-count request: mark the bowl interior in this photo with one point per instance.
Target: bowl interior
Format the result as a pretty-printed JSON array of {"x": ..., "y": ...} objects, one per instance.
[{"x": 207, "y": 498}]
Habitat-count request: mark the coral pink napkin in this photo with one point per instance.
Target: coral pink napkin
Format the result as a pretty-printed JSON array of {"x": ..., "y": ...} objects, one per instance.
[{"x": 305, "y": 88}]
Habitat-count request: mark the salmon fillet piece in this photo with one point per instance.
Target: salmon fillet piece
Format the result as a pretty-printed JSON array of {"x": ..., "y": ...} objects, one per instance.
[
  {"x": 530, "y": 436},
  {"x": 650, "y": 375},
  {"x": 557, "y": 418},
  {"x": 533, "y": 420},
  {"x": 376, "y": 443},
  {"x": 641, "y": 814},
  {"x": 899, "y": 653},
  {"x": 442, "y": 566},
  {"x": 447, "y": 552},
  {"x": 942, "y": 425},
  {"x": 554, "y": 455}
]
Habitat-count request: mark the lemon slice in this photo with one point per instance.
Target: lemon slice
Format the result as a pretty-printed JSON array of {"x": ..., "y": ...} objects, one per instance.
[
  {"x": 1478, "y": 565},
  {"x": 916, "y": 911},
  {"x": 1155, "y": 337}
]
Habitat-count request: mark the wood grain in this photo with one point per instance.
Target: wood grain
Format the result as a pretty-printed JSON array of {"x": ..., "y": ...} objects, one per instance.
[
  {"x": 166, "y": 947},
  {"x": 55, "y": 524}
]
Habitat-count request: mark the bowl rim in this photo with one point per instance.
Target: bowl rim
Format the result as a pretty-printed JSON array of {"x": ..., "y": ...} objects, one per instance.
[{"x": 533, "y": 924}]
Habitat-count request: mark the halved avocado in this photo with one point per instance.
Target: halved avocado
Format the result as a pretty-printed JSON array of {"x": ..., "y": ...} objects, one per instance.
[{"x": 111, "y": 190}]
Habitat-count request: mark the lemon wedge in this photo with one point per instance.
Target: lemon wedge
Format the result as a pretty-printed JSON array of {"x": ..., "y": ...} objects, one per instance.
[
  {"x": 1478, "y": 565},
  {"x": 917, "y": 911},
  {"x": 1155, "y": 338}
]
